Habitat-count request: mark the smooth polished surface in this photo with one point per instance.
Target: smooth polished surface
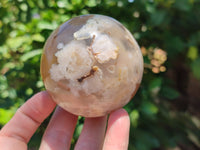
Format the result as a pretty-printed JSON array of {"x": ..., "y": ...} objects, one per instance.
[{"x": 91, "y": 65}]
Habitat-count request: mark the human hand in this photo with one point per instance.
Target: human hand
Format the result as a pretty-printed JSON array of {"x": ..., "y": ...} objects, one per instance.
[{"x": 17, "y": 132}]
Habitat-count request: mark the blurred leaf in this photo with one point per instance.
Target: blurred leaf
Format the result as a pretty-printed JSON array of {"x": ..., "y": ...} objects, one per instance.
[
  {"x": 174, "y": 45},
  {"x": 12, "y": 93},
  {"x": 62, "y": 3},
  {"x": 76, "y": 2},
  {"x": 29, "y": 91},
  {"x": 194, "y": 138},
  {"x": 38, "y": 37},
  {"x": 16, "y": 42},
  {"x": 31, "y": 54},
  {"x": 78, "y": 130},
  {"x": 5, "y": 115},
  {"x": 47, "y": 25},
  {"x": 134, "y": 116},
  {"x": 169, "y": 93},
  {"x": 158, "y": 17},
  {"x": 145, "y": 141},
  {"x": 91, "y": 3},
  {"x": 149, "y": 108},
  {"x": 155, "y": 83},
  {"x": 192, "y": 53},
  {"x": 195, "y": 68},
  {"x": 183, "y": 5}
]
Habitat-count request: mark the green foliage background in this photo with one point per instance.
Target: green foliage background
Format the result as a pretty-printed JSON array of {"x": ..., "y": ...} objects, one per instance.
[{"x": 157, "y": 121}]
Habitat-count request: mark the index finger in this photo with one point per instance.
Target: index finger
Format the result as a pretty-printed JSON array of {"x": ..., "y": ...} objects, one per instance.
[
  {"x": 26, "y": 120},
  {"x": 117, "y": 134}
]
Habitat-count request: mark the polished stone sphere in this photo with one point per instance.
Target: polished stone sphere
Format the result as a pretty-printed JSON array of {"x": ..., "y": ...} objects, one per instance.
[{"x": 91, "y": 65}]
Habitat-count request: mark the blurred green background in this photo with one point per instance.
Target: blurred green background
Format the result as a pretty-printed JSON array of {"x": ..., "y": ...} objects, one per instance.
[{"x": 165, "y": 113}]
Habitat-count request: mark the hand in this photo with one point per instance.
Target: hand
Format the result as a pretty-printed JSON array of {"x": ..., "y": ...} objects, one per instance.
[{"x": 17, "y": 132}]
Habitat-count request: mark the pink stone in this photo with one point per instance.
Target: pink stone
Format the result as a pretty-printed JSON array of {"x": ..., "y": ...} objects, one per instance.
[{"x": 91, "y": 65}]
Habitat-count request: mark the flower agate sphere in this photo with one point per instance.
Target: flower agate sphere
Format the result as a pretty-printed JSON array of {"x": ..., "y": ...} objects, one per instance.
[{"x": 91, "y": 65}]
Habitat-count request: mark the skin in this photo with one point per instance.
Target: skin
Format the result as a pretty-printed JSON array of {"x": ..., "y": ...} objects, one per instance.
[{"x": 94, "y": 136}]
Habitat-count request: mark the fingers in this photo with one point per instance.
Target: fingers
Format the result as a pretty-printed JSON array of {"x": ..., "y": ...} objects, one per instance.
[
  {"x": 117, "y": 135},
  {"x": 59, "y": 132},
  {"x": 92, "y": 135},
  {"x": 18, "y": 131}
]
